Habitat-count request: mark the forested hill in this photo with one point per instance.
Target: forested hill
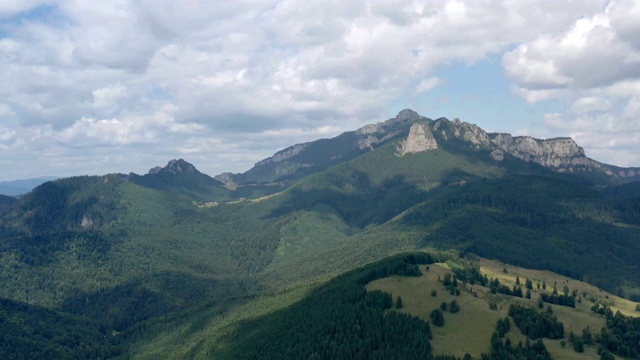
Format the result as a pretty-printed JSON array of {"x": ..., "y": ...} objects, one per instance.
[{"x": 6, "y": 202}]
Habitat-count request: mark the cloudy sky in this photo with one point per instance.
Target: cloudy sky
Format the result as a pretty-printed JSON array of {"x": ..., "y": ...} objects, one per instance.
[{"x": 93, "y": 87}]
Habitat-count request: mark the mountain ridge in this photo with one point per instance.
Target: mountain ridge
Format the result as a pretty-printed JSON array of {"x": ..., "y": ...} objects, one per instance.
[{"x": 561, "y": 154}]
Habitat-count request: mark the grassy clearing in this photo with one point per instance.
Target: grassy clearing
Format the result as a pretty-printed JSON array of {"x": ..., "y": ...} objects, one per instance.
[
  {"x": 586, "y": 291},
  {"x": 470, "y": 330}
]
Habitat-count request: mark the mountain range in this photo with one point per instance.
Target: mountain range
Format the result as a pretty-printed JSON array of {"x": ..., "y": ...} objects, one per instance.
[
  {"x": 172, "y": 263},
  {"x": 23, "y": 186}
]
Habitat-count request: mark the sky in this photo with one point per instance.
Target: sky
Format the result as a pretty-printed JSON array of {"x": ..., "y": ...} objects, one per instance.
[{"x": 97, "y": 87}]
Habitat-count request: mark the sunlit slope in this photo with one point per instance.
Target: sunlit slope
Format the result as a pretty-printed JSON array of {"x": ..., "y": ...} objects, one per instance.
[{"x": 470, "y": 330}]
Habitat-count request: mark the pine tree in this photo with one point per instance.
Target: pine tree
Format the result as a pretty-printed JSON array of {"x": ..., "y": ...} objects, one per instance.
[
  {"x": 437, "y": 318},
  {"x": 399, "y": 303},
  {"x": 529, "y": 284},
  {"x": 444, "y": 306},
  {"x": 454, "y": 307}
]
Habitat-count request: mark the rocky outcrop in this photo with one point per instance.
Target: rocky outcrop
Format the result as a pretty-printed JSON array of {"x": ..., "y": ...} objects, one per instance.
[
  {"x": 175, "y": 167},
  {"x": 497, "y": 155},
  {"x": 225, "y": 178},
  {"x": 554, "y": 153},
  {"x": 629, "y": 172},
  {"x": 371, "y": 140},
  {"x": 420, "y": 139},
  {"x": 464, "y": 131},
  {"x": 282, "y": 155},
  {"x": 87, "y": 222}
]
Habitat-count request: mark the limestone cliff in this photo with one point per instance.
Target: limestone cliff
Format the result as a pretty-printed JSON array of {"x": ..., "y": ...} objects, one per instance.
[
  {"x": 553, "y": 153},
  {"x": 420, "y": 139},
  {"x": 282, "y": 155}
]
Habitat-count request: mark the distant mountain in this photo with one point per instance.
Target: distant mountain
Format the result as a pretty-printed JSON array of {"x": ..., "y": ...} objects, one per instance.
[
  {"x": 181, "y": 177},
  {"x": 414, "y": 134},
  {"x": 20, "y": 187}
]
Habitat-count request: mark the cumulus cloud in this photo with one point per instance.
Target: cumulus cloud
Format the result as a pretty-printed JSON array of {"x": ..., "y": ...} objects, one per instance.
[
  {"x": 427, "y": 84},
  {"x": 590, "y": 104},
  {"x": 244, "y": 78},
  {"x": 593, "y": 68}
]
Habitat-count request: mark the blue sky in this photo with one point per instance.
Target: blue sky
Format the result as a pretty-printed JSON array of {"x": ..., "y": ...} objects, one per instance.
[
  {"x": 480, "y": 93},
  {"x": 122, "y": 86}
]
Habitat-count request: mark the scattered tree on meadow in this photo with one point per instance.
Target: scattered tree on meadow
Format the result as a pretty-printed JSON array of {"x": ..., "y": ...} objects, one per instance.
[
  {"x": 437, "y": 318},
  {"x": 454, "y": 307},
  {"x": 444, "y": 306}
]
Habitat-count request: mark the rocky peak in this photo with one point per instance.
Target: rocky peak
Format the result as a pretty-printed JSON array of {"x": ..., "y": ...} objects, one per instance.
[
  {"x": 175, "y": 167},
  {"x": 407, "y": 115}
]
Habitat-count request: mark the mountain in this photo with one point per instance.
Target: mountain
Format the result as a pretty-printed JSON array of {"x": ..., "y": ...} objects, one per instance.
[
  {"x": 20, "y": 187},
  {"x": 181, "y": 177},
  {"x": 173, "y": 262},
  {"x": 413, "y": 134}
]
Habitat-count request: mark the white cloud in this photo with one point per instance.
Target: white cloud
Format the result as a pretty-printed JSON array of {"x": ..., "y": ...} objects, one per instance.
[
  {"x": 427, "y": 84},
  {"x": 590, "y": 54},
  {"x": 590, "y": 104},
  {"x": 109, "y": 95},
  {"x": 258, "y": 73}
]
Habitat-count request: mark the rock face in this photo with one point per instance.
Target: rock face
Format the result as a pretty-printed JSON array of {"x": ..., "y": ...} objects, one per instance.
[
  {"x": 420, "y": 139},
  {"x": 225, "y": 178},
  {"x": 283, "y": 154},
  {"x": 470, "y": 133},
  {"x": 86, "y": 221},
  {"x": 553, "y": 153}
]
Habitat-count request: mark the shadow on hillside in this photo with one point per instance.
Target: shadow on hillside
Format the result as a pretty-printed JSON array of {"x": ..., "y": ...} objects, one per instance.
[
  {"x": 126, "y": 305},
  {"x": 358, "y": 202}
]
